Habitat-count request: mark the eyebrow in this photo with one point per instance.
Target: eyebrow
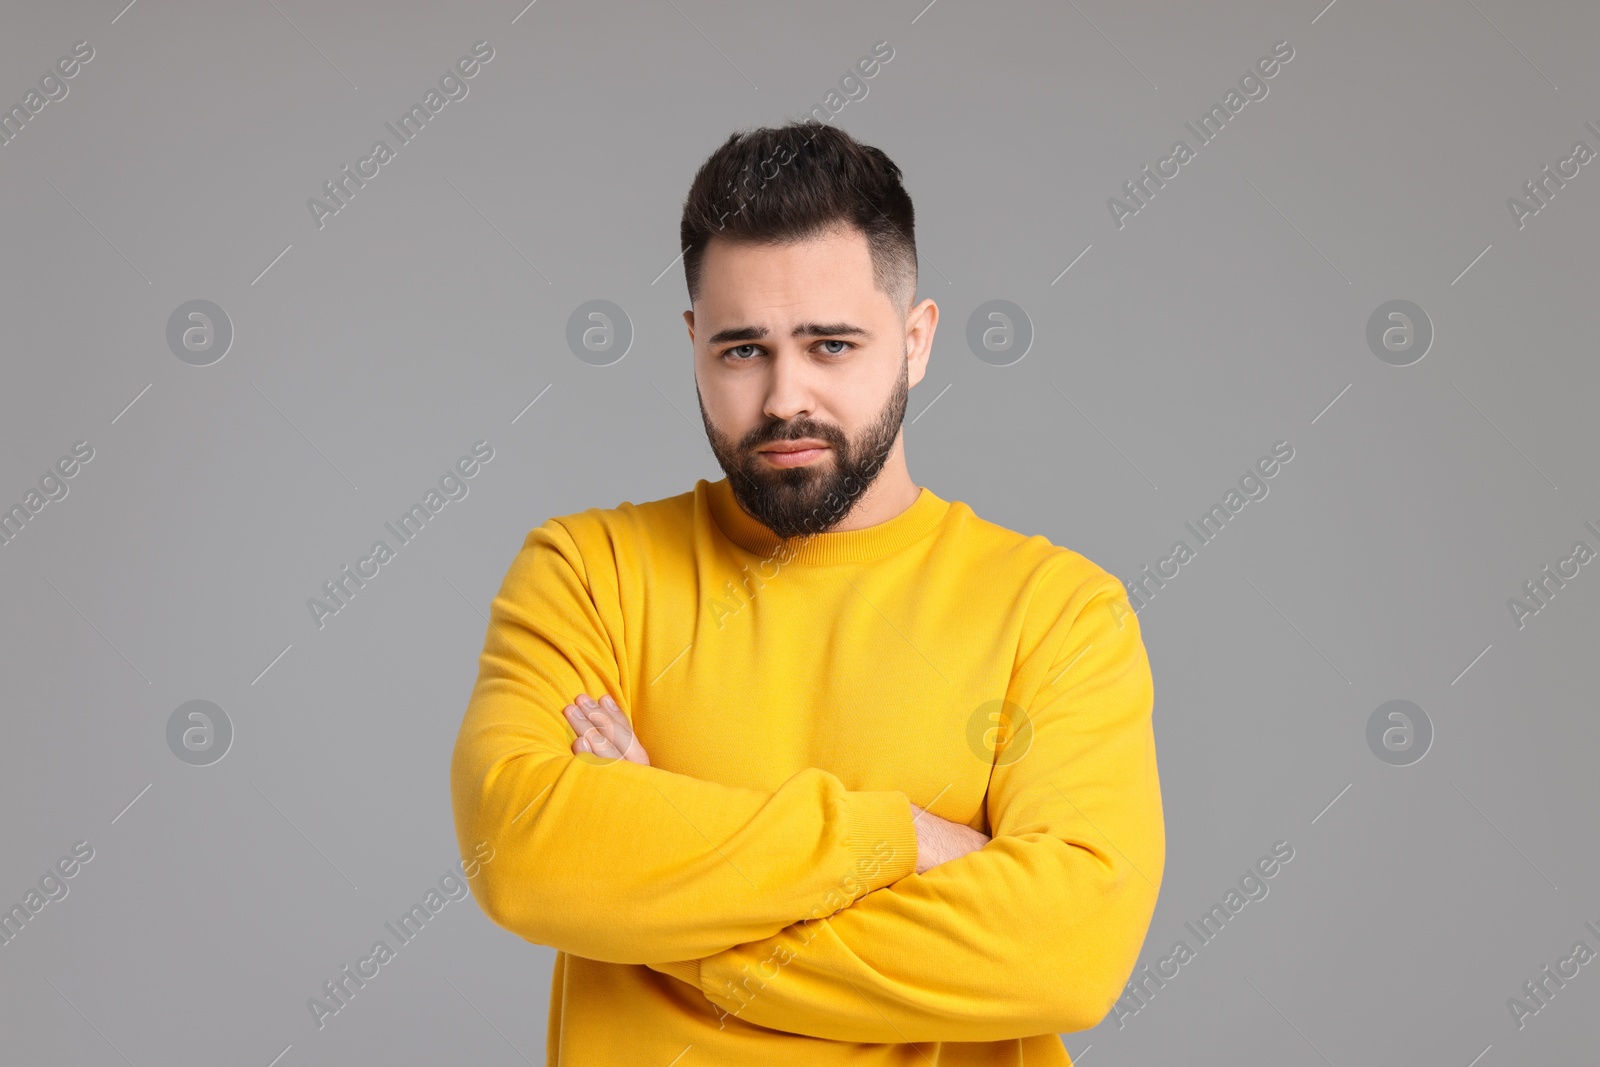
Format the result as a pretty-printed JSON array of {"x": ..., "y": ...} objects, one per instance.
[{"x": 804, "y": 329}]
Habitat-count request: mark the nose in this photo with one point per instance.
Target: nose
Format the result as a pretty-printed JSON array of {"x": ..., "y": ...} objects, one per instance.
[{"x": 789, "y": 387}]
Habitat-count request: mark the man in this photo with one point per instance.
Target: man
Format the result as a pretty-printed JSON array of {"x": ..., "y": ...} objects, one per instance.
[{"x": 870, "y": 780}]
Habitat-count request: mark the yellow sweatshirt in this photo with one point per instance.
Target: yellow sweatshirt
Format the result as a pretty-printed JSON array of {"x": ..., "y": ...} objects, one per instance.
[{"x": 751, "y": 897}]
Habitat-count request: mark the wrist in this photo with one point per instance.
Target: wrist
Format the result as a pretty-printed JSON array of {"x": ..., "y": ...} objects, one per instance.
[{"x": 927, "y": 839}]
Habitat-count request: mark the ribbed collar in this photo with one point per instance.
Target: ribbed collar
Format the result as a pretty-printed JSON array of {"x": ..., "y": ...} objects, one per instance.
[{"x": 837, "y": 546}]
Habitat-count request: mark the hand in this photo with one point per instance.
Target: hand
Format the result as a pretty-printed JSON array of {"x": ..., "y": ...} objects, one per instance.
[
  {"x": 603, "y": 730},
  {"x": 939, "y": 840}
]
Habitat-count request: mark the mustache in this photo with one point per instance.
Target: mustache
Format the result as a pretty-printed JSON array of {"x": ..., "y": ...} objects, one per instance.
[{"x": 795, "y": 433}]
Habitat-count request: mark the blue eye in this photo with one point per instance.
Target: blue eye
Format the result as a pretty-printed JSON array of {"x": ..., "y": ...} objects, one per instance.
[{"x": 735, "y": 354}]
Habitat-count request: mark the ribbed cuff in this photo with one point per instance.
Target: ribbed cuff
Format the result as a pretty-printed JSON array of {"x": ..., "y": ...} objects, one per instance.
[
  {"x": 687, "y": 971},
  {"x": 880, "y": 836}
]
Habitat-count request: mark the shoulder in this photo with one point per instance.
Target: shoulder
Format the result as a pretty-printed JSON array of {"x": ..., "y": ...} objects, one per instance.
[
  {"x": 603, "y": 535},
  {"x": 1052, "y": 579},
  {"x": 627, "y": 517}
]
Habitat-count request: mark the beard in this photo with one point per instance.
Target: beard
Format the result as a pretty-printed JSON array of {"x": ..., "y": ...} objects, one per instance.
[{"x": 791, "y": 501}]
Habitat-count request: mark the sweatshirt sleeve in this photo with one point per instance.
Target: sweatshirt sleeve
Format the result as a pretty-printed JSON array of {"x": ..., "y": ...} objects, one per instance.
[
  {"x": 611, "y": 860},
  {"x": 1034, "y": 933}
]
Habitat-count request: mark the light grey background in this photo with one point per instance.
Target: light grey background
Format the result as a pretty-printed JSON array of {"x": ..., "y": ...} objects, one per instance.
[{"x": 1230, "y": 313}]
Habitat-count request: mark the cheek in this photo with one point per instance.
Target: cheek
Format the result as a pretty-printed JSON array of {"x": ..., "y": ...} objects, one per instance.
[
  {"x": 732, "y": 403},
  {"x": 862, "y": 396},
  {"x": 886, "y": 371}
]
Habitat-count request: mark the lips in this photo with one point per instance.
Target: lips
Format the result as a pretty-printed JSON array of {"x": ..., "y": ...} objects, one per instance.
[
  {"x": 788, "y": 455},
  {"x": 795, "y": 446}
]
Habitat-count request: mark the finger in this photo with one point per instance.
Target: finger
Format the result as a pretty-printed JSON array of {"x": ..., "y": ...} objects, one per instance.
[
  {"x": 601, "y": 745},
  {"x": 578, "y": 742},
  {"x": 608, "y": 713},
  {"x": 580, "y": 719},
  {"x": 586, "y": 707},
  {"x": 613, "y": 727},
  {"x": 609, "y": 705},
  {"x": 622, "y": 737},
  {"x": 615, "y": 738},
  {"x": 597, "y": 719},
  {"x": 614, "y": 730}
]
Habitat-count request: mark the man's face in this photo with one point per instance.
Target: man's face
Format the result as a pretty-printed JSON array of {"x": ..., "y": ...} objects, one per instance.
[{"x": 795, "y": 344}]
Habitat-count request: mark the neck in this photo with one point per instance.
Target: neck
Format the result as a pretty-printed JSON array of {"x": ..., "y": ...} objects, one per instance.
[{"x": 890, "y": 493}]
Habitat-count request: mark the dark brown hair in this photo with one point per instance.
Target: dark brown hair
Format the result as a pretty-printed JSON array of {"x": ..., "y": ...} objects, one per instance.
[{"x": 792, "y": 182}]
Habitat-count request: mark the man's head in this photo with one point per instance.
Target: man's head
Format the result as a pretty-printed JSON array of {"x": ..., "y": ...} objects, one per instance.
[{"x": 801, "y": 262}]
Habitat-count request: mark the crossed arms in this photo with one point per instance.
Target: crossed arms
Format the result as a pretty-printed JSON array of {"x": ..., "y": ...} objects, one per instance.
[
  {"x": 602, "y": 730},
  {"x": 815, "y": 909}
]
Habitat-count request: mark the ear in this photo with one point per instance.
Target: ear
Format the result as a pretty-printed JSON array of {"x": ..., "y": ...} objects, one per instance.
[
  {"x": 921, "y": 322},
  {"x": 688, "y": 318}
]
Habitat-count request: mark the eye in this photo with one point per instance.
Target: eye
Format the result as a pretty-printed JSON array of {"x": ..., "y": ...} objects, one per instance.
[
  {"x": 848, "y": 345},
  {"x": 738, "y": 348}
]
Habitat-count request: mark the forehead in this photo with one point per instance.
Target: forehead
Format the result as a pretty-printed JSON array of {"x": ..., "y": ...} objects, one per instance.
[{"x": 822, "y": 275}]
